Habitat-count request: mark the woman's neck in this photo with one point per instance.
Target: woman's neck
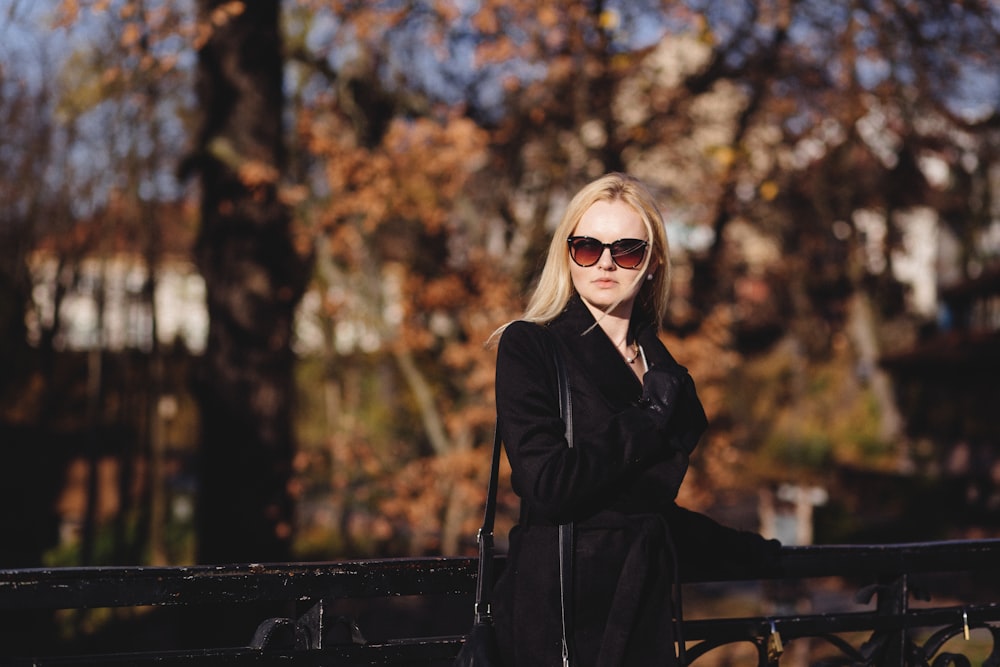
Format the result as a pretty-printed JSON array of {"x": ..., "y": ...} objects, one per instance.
[{"x": 614, "y": 325}]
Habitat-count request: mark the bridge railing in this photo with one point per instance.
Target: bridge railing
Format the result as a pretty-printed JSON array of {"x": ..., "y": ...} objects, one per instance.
[{"x": 307, "y": 613}]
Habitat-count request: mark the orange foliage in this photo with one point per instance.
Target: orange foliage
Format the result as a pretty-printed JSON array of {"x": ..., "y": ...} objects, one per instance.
[
  {"x": 386, "y": 202},
  {"x": 399, "y": 210},
  {"x": 710, "y": 356},
  {"x": 224, "y": 13},
  {"x": 424, "y": 489}
]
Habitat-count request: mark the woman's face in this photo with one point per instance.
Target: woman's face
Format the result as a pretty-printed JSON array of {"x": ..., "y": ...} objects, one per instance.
[{"x": 605, "y": 282}]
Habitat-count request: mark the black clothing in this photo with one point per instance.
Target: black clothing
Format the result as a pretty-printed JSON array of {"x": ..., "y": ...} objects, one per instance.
[{"x": 617, "y": 484}]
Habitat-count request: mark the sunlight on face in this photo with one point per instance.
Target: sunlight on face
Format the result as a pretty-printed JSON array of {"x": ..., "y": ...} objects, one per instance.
[{"x": 605, "y": 283}]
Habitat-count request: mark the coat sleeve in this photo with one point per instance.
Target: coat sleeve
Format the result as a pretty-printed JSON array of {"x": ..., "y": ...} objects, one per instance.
[
  {"x": 707, "y": 548},
  {"x": 558, "y": 482}
]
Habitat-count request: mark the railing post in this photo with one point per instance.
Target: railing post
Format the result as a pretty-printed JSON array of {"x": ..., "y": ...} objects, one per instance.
[
  {"x": 313, "y": 624},
  {"x": 892, "y": 599}
]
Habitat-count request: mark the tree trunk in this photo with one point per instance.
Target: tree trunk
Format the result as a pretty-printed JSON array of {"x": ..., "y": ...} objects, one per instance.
[
  {"x": 254, "y": 279},
  {"x": 861, "y": 326}
]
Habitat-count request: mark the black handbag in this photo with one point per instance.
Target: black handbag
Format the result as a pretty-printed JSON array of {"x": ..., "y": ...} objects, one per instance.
[{"x": 480, "y": 648}]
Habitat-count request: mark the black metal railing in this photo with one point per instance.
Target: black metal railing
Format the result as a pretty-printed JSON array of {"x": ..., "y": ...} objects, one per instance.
[{"x": 307, "y": 614}]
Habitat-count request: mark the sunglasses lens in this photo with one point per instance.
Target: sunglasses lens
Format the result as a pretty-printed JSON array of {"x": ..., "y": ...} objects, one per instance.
[
  {"x": 586, "y": 251},
  {"x": 628, "y": 253}
]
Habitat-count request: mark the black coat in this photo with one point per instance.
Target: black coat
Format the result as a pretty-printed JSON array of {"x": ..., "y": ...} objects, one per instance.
[{"x": 617, "y": 485}]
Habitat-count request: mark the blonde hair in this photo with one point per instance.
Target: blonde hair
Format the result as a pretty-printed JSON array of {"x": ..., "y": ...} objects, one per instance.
[{"x": 555, "y": 286}]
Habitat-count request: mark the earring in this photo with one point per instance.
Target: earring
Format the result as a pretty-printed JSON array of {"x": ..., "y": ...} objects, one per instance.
[{"x": 649, "y": 276}]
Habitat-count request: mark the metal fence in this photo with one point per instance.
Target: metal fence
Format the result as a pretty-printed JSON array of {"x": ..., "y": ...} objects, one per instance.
[{"x": 307, "y": 614}]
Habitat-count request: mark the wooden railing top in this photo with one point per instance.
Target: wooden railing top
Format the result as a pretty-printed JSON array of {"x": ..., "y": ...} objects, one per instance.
[
  {"x": 90, "y": 587},
  {"x": 317, "y": 584}
]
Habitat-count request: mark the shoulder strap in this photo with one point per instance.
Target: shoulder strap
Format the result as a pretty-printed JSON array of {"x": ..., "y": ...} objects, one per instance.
[
  {"x": 484, "y": 576},
  {"x": 565, "y": 529}
]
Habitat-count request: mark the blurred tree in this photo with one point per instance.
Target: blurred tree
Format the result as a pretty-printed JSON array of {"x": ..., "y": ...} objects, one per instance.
[
  {"x": 27, "y": 146},
  {"x": 254, "y": 279},
  {"x": 93, "y": 223},
  {"x": 26, "y": 113},
  {"x": 770, "y": 130},
  {"x": 795, "y": 147}
]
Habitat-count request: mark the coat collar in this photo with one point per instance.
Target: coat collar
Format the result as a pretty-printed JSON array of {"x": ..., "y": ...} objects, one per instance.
[{"x": 593, "y": 353}]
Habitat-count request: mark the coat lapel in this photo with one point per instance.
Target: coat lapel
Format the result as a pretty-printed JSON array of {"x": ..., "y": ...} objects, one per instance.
[
  {"x": 593, "y": 354},
  {"x": 656, "y": 351}
]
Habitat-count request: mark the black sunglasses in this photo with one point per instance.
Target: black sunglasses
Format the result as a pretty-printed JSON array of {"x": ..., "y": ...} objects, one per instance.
[{"x": 626, "y": 253}]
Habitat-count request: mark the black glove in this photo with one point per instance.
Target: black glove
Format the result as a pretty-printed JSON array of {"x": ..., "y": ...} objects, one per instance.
[
  {"x": 669, "y": 396},
  {"x": 750, "y": 554},
  {"x": 661, "y": 388},
  {"x": 707, "y": 548}
]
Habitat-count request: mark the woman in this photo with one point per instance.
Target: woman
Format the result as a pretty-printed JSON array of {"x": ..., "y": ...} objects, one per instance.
[{"x": 636, "y": 418}]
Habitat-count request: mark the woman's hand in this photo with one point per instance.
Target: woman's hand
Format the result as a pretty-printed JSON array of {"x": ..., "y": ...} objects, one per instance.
[
  {"x": 661, "y": 388},
  {"x": 669, "y": 397}
]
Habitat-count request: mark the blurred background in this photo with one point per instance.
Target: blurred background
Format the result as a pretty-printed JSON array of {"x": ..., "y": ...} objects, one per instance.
[{"x": 251, "y": 252}]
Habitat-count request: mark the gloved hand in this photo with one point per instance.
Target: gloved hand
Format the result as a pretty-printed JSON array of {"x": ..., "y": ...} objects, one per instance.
[
  {"x": 669, "y": 397},
  {"x": 661, "y": 389},
  {"x": 706, "y": 547}
]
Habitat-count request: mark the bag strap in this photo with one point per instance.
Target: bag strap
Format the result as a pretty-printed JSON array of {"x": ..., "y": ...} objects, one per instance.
[
  {"x": 565, "y": 529},
  {"x": 484, "y": 575}
]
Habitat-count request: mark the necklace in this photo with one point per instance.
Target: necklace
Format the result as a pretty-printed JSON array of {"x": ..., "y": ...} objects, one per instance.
[{"x": 635, "y": 346}]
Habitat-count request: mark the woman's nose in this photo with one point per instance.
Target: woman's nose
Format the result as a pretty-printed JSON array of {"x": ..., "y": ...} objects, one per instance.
[{"x": 605, "y": 261}]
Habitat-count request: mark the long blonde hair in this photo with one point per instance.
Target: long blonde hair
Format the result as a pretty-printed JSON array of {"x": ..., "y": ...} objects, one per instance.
[{"x": 555, "y": 286}]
